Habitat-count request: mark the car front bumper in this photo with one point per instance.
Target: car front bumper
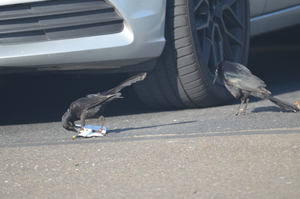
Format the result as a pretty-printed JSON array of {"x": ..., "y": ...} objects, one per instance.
[{"x": 141, "y": 39}]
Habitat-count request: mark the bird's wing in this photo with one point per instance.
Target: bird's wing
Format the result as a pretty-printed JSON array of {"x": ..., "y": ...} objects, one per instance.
[
  {"x": 91, "y": 101},
  {"x": 128, "y": 82},
  {"x": 241, "y": 77}
]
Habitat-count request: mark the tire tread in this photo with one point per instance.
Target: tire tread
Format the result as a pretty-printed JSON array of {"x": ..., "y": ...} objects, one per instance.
[{"x": 177, "y": 80}]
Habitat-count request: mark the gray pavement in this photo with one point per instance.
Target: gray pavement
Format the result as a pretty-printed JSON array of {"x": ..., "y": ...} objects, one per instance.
[
  {"x": 176, "y": 154},
  {"x": 194, "y": 153},
  {"x": 255, "y": 164}
]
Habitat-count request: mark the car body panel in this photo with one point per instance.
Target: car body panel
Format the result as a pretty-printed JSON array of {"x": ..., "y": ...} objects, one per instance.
[
  {"x": 142, "y": 39},
  {"x": 270, "y": 15},
  {"x": 11, "y": 2},
  {"x": 257, "y": 7},
  {"x": 274, "y": 21},
  {"x": 260, "y": 7}
]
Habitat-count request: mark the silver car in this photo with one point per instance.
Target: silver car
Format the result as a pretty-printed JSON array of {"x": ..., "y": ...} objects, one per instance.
[{"x": 178, "y": 42}]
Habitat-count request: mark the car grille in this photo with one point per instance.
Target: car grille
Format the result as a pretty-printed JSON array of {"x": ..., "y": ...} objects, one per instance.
[{"x": 57, "y": 19}]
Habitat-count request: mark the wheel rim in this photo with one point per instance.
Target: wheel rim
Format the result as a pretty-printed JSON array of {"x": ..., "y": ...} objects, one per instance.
[{"x": 221, "y": 30}]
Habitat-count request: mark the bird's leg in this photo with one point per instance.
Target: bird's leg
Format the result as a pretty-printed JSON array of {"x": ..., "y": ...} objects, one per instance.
[
  {"x": 242, "y": 101},
  {"x": 244, "y": 111},
  {"x": 82, "y": 120},
  {"x": 76, "y": 130},
  {"x": 75, "y": 136},
  {"x": 102, "y": 123}
]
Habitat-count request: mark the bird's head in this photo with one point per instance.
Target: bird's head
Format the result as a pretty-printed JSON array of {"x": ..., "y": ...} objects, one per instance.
[
  {"x": 68, "y": 122},
  {"x": 217, "y": 71}
]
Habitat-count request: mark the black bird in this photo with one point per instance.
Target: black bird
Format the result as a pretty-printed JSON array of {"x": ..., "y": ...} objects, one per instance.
[
  {"x": 242, "y": 84},
  {"x": 93, "y": 105}
]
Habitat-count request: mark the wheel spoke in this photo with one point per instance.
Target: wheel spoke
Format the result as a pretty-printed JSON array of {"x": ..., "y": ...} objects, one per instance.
[
  {"x": 216, "y": 52},
  {"x": 218, "y": 44},
  {"x": 202, "y": 14},
  {"x": 230, "y": 18},
  {"x": 229, "y": 23},
  {"x": 228, "y": 2},
  {"x": 201, "y": 5},
  {"x": 207, "y": 46},
  {"x": 202, "y": 22},
  {"x": 233, "y": 40},
  {"x": 197, "y": 4}
]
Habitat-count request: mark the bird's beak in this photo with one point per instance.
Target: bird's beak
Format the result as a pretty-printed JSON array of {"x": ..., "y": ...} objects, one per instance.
[{"x": 216, "y": 77}]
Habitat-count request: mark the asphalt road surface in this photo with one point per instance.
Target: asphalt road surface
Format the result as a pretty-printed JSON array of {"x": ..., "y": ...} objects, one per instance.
[{"x": 194, "y": 153}]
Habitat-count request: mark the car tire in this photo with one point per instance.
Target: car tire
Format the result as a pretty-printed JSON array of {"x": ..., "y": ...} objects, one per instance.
[{"x": 199, "y": 34}]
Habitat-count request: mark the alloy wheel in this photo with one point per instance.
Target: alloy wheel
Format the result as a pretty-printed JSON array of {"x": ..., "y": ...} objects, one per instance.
[{"x": 220, "y": 27}]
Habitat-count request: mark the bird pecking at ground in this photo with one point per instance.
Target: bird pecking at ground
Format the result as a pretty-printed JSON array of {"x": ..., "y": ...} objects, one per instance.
[{"x": 93, "y": 104}]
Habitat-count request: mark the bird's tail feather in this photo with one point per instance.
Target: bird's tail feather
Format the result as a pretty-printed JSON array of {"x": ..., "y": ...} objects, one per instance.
[
  {"x": 283, "y": 104},
  {"x": 108, "y": 98},
  {"x": 128, "y": 82}
]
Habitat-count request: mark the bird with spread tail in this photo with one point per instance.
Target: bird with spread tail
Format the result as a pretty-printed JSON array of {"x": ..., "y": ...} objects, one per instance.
[
  {"x": 93, "y": 105},
  {"x": 242, "y": 84}
]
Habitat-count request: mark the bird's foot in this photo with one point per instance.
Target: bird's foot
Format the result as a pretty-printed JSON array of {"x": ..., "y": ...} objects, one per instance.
[
  {"x": 101, "y": 132},
  {"x": 78, "y": 132},
  {"x": 237, "y": 113},
  {"x": 75, "y": 136},
  {"x": 241, "y": 113},
  {"x": 244, "y": 113}
]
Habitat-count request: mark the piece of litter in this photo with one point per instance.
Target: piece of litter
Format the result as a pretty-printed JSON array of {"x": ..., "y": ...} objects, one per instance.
[{"x": 91, "y": 131}]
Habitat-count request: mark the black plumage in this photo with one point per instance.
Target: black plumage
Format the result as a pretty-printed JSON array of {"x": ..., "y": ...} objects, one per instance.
[
  {"x": 93, "y": 105},
  {"x": 242, "y": 84}
]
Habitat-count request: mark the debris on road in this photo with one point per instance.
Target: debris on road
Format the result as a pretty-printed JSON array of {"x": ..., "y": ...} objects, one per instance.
[{"x": 91, "y": 131}]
